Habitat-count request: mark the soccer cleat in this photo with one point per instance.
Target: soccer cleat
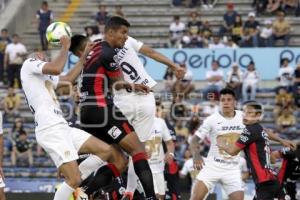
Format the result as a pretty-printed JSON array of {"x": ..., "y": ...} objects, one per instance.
[{"x": 127, "y": 196}]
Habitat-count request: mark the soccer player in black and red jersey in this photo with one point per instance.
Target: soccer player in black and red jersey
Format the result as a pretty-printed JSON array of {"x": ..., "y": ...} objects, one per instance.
[
  {"x": 255, "y": 143},
  {"x": 290, "y": 169},
  {"x": 98, "y": 114}
]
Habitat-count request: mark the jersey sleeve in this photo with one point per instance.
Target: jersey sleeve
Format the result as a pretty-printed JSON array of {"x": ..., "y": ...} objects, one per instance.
[
  {"x": 135, "y": 44},
  {"x": 54, "y": 80},
  {"x": 166, "y": 135},
  {"x": 246, "y": 138},
  {"x": 109, "y": 61},
  {"x": 35, "y": 66},
  {"x": 204, "y": 129},
  {"x": 1, "y": 124}
]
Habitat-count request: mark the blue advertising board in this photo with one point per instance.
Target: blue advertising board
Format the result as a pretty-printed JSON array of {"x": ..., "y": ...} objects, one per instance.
[{"x": 267, "y": 60}]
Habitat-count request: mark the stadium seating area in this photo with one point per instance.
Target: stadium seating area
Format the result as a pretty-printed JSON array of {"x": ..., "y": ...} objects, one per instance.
[{"x": 150, "y": 21}]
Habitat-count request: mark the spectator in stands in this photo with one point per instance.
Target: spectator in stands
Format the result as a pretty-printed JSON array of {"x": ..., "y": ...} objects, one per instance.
[
  {"x": 178, "y": 108},
  {"x": 216, "y": 43},
  {"x": 44, "y": 17},
  {"x": 11, "y": 105},
  {"x": 176, "y": 29},
  {"x": 252, "y": 26},
  {"x": 286, "y": 121},
  {"x": 186, "y": 40},
  {"x": 102, "y": 15},
  {"x": 211, "y": 107},
  {"x": 92, "y": 33},
  {"x": 247, "y": 40},
  {"x": 214, "y": 78},
  {"x": 237, "y": 30},
  {"x": 281, "y": 29},
  {"x": 182, "y": 138},
  {"x": 266, "y": 34},
  {"x": 118, "y": 11},
  {"x": 185, "y": 86},
  {"x": 15, "y": 53},
  {"x": 297, "y": 97},
  {"x": 194, "y": 24},
  {"x": 206, "y": 32},
  {"x": 193, "y": 124},
  {"x": 285, "y": 75},
  {"x": 229, "y": 20},
  {"x": 273, "y": 5},
  {"x": 282, "y": 100},
  {"x": 297, "y": 77},
  {"x": 4, "y": 41},
  {"x": 169, "y": 79},
  {"x": 22, "y": 149},
  {"x": 260, "y": 5},
  {"x": 250, "y": 82},
  {"x": 230, "y": 43},
  {"x": 234, "y": 80},
  {"x": 207, "y": 4}
]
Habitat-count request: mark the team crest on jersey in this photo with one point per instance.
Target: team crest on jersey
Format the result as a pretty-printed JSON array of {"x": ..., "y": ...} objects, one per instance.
[{"x": 114, "y": 132}]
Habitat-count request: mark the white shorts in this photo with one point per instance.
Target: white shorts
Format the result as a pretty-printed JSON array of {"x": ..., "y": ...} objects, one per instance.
[
  {"x": 159, "y": 183},
  {"x": 2, "y": 184},
  {"x": 230, "y": 179},
  {"x": 139, "y": 110},
  {"x": 62, "y": 142}
]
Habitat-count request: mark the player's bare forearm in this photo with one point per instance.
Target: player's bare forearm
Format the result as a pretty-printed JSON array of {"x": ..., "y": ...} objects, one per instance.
[
  {"x": 195, "y": 146},
  {"x": 276, "y": 138}
]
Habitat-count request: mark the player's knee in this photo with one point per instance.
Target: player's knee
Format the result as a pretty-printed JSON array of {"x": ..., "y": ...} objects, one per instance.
[{"x": 122, "y": 164}]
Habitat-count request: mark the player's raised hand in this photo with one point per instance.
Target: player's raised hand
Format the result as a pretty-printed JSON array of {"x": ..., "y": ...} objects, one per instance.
[
  {"x": 180, "y": 72},
  {"x": 198, "y": 161},
  {"x": 65, "y": 42},
  {"x": 169, "y": 157},
  {"x": 141, "y": 88},
  {"x": 290, "y": 144}
]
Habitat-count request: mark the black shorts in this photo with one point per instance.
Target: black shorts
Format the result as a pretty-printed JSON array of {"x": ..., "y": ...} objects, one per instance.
[
  {"x": 106, "y": 123},
  {"x": 269, "y": 190}
]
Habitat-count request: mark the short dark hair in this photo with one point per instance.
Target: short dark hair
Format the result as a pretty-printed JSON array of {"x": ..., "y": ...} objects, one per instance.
[
  {"x": 45, "y": 3},
  {"x": 4, "y": 30},
  {"x": 229, "y": 91},
  {"x": 15, "y": 35},
  {"x": 254, "y": 104},
  {"x": 115, "y": 22},
  {"x": 77, "y": 42}
]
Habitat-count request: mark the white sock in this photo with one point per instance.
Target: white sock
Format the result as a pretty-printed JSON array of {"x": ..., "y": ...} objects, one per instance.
[
  {"x": 64, "y": 192},
  {"x": 131, "y": 178},
  {"x": 89, "y": 165}
]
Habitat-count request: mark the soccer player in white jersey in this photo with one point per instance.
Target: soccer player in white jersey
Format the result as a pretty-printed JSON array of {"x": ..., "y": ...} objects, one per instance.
[
  {"x": 160, "y": 133},
  {"x": 2, "y": 184},
  {"x": 61, "y": 142},
  {"x": 220, "y": 167},
  {"x": 139, "y": 109}
]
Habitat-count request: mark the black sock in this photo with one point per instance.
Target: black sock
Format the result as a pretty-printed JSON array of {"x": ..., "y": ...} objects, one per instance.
[
  {"x": 100, "y": 178},
  {"x": 143, "y": 171}
]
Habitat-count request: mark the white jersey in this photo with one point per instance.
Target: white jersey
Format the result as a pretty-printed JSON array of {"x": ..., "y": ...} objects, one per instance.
[
  {"x": 132, "y": 66},
  {"x": 217, "y": 126},
  {"x": 40, "y": 94},
  {"x": 1, "y": 123},
  {"x": 188, "y": 168},
  {"x": 160, "y": 132}
]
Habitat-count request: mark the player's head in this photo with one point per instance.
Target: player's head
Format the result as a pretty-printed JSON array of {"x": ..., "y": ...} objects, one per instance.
[
  {"x": 252, "y": 112},
  {"x": 78, "y": 43},
  {"x": 227, "y": 100},
  {"x": 116, "y": 31}
]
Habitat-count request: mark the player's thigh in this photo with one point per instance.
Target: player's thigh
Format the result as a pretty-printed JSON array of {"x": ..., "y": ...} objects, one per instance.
[
  {"x": 199, "y": 190},
  {"x": 209, "y": 176},
  {"x": 232, "y": 184},
  {"x": 86, "y": 143},
  {"x": 144, "y": 119},
  {"x": 57, "y": 143},
  {"x": 159, "y": 183}
]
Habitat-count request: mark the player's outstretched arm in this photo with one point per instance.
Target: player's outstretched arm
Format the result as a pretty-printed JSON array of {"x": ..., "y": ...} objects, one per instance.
[
  {"x": 155, "y": 55},
  {"x": 286, "y": 143},
  {"x": 73, "y": 74},
  {"x": 56, "y": 66},
  {"x": 170, "y": 151}
]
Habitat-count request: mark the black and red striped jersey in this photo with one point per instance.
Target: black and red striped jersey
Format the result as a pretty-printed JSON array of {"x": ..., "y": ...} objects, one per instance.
[
  {"x": 254, "y": 140},
  {"x": 100, "y": 67}
]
